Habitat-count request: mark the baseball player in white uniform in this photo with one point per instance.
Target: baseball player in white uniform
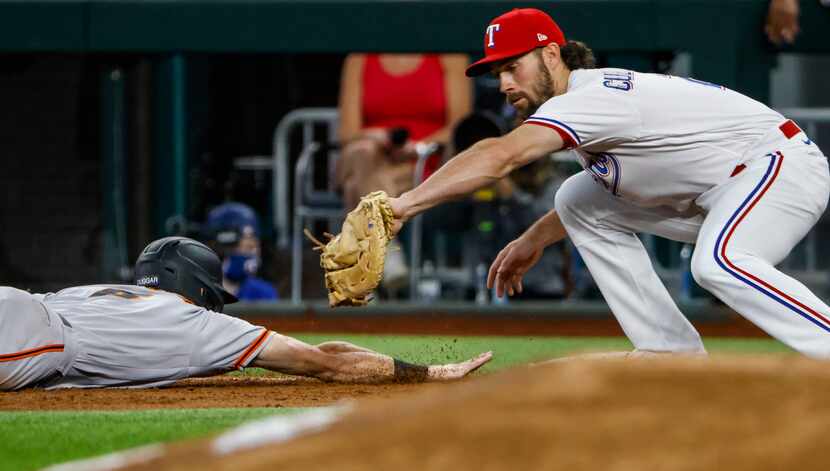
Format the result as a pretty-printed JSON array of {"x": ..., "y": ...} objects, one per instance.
[
  {"x": 165, "y": 328},
  {"x": 680, "y": 158}
]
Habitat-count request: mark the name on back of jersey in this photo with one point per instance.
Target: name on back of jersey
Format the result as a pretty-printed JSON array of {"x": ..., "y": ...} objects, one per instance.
[{"x": 619, "y": 80}]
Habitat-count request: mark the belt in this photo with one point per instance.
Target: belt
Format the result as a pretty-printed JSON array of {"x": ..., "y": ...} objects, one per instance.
[{"x": 788, "y": 128}]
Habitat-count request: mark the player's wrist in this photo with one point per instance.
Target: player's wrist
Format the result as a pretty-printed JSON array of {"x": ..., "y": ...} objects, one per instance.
[
  {"x": 402, "y": 206},
  {"x": 534, "y": 237},
  {"x": 410, "y": 373}
]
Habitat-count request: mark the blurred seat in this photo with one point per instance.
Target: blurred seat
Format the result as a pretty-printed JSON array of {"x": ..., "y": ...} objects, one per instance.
[
  {"x": 314, "y": 132},
  {"x": 314, "y": 197},
  {"x": 312, "y": 125}
]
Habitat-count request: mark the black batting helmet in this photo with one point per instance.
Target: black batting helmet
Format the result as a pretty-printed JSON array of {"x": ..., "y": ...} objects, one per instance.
[{"x": 186, "y": 267}]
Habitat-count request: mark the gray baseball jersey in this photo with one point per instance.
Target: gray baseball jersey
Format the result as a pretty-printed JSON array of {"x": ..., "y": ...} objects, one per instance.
[{"x": 116, "y": 336}]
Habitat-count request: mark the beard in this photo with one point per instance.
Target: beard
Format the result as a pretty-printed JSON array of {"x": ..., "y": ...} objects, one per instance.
[{"x": 542, "y": 91}]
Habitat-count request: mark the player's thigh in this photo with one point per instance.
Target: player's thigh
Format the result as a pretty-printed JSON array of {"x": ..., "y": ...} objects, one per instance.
[
  {"x": 765, "y": 210},
  {"x": 583, "y": 203}
]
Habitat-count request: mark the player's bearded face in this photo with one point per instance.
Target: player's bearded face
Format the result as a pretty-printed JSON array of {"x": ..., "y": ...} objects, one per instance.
[{"x": 539, "y": 90}]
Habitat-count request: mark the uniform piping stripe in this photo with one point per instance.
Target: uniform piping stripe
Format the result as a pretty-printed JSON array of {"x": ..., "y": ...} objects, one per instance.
[
  {"x": 776, "y": 161},
  {"x": 251, "y": 349},
  {"x": 558, "y": 124},
  {"x": 32, "y": 352},
  {"x": 567, "y": 140}
]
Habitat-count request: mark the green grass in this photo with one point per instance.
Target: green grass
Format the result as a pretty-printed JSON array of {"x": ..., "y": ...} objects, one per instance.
[
  {"x": 30, "y": 440},
  {"x": 510, "y": 351},
  {"x": 435, "y": 349}
]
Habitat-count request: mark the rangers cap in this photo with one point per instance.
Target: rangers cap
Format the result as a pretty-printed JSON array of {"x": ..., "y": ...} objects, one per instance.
[{"x": 514, "y": 33}]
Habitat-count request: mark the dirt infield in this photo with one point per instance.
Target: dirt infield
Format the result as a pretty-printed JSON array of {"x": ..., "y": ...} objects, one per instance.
[
  {"x": 678, "y": 414},
  {"x": 220, "y": 391}
]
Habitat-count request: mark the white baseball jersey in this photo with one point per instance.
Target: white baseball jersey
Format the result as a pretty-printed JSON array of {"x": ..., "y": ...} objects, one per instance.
[
  {"x": 655, "y": 140},
  {"x": 658, "y": 145},
  {"x": 120, "y": 336}
]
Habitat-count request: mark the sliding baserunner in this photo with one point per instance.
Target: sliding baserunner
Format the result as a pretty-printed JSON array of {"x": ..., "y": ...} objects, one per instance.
[{"x": 166, "y": 327}]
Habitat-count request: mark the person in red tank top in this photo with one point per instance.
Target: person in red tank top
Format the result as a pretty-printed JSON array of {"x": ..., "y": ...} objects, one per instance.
[{"x": 426, "y": 94}]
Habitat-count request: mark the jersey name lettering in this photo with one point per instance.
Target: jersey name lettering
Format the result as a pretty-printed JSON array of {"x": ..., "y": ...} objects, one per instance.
[{"x": 622, "y": 80}]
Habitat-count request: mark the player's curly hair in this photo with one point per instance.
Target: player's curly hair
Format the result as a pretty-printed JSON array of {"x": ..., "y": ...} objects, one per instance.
[{"x": 577, "y": 55}]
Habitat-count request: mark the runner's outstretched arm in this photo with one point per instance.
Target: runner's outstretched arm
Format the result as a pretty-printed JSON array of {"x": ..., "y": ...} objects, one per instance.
[{"x": 343, "y": 362}]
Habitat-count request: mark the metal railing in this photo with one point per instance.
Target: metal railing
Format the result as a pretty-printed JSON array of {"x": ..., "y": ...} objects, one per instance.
[{"x": 305, "y": 117}]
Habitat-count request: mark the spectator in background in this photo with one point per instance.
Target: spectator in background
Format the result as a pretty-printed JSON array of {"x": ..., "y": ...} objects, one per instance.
[
  {"x": 389, "y": 104},
  {"x": 233, "y": 229},
  {"x": 782, "y": 21},
  {"x": 497, "y": 214}
]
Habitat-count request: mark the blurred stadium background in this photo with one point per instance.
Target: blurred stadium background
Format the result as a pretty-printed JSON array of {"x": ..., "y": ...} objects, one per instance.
[{"x": 123, "y": 120}]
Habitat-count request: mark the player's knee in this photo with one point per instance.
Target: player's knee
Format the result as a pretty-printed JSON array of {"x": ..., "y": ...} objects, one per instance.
[
  {"x": 9, "y": 295},
  {"x": 567, "y": 196},
  {"x": 705, "y": 270}
]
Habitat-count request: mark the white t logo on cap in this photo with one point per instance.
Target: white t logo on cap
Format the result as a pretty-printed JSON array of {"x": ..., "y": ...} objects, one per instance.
[{"x": 491, "y": 30}]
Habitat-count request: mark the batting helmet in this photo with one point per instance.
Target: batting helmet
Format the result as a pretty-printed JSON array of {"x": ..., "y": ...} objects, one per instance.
[{"x": 186, "y": 267}]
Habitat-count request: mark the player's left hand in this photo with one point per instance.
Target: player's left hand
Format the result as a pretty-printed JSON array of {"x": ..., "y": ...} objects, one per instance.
[
  {"x": 399, "y": 210},
  {"x": 511, "y": 264},
  {"x": 457, "y": 370}
]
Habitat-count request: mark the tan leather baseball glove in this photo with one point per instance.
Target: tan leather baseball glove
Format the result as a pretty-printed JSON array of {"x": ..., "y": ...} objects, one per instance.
[{"x": 353, "y": 260}]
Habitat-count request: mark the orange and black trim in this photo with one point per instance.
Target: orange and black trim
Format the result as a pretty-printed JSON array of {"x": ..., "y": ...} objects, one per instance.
[
  {"x": 252, "y": 348},
  {"x": 32, "y": 352}
]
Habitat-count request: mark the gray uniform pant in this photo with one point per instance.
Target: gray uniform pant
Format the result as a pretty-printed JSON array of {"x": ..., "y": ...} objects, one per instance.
[{"x": 32, "y": 344}]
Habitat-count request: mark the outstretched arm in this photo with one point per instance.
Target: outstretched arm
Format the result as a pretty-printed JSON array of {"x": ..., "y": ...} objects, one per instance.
[
  {"x": 344, "y": 362},
  {"x": 482, "y": 164}
]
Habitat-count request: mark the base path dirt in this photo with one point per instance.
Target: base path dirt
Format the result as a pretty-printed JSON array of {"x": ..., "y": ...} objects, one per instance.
[
  {"x": 220, "y": 391},
  {"x": 680, "y": 414}
]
